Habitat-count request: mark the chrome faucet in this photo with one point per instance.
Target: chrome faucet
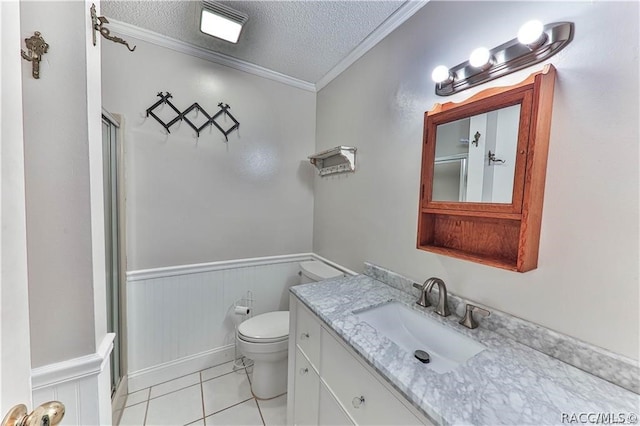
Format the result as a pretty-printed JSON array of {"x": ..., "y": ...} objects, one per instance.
[{"x": 443, "y": 306}]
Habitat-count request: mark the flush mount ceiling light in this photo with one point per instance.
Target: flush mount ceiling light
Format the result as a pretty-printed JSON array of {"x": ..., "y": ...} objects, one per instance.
[
  {"x": 221, "y": 21},
  {"x": 534, "y": 44}
]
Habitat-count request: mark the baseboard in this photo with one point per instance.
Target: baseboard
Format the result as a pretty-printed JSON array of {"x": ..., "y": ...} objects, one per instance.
[{"x": 168, "y": 371}]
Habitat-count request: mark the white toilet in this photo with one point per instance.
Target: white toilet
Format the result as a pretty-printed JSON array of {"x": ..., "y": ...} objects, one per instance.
[{"x": 265, "y": 339}]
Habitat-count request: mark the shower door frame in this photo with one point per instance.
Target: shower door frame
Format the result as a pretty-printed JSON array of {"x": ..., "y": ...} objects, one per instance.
[{"x": 113, "y": 161}]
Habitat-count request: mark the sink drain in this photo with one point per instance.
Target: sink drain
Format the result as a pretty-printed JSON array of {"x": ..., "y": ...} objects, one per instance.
[{"x": 422, "y": 356}]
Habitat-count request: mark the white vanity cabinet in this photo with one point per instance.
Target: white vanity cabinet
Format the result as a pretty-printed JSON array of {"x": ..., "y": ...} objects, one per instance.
[
  {"x": 330, "y": 412},
  {"x": 307, "y": 391},
  {"x": 329, "y": 384}
]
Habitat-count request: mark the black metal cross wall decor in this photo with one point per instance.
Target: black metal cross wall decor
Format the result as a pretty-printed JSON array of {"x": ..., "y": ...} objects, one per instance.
[{"x": 182, "y": 116}]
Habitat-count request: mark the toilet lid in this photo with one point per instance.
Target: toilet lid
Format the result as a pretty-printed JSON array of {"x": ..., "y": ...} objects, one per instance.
[
  {"x": 319, "y": 271},
  {"x": 271, "y": 325}
]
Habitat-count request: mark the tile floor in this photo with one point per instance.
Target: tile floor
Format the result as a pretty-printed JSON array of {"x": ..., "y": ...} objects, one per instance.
[{"x": 215, "y": 396}]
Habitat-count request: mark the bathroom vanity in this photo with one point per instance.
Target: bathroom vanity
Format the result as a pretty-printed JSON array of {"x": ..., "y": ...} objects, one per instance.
[
  {"x": 343, "y": 370},
  {"x": 333, "y": 385}
]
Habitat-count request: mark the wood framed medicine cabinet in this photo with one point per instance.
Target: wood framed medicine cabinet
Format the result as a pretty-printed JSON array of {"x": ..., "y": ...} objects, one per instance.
[{"x": 481, "y": 196}]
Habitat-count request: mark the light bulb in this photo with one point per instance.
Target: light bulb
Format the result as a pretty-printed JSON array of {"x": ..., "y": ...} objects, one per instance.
[
  {"x": 441, "y": 74},
  {"x": 532, "y": 34},
  {"x": 480, "y": 58}
]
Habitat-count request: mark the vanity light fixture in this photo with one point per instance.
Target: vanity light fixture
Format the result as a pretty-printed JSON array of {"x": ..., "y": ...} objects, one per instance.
[
  {"x": 532, "y": 35},
  {"x": 480, "y": 58},
  {"x": 221, "y": 21},
  {"x": 441, "y": 74},
  {"x": 535, "y": 43}
]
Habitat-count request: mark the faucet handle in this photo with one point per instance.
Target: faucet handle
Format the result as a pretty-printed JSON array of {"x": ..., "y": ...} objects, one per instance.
[{"x": 468, "y": 320}]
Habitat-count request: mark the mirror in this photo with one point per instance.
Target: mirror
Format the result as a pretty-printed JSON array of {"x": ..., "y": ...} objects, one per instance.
[
  {"x": 475, "y": 157},
  {"x": 483, "y": 173},
  {"x": 475, "y": 152}
]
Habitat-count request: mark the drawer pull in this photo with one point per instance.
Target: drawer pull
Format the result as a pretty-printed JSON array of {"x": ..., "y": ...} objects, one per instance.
[
  {"x": 304, "y": 336},
  {"x": 304, "y": 370},
  {"x": 357, "y": 401}
]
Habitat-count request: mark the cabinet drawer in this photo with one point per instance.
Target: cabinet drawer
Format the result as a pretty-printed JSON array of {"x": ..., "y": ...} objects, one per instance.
[
  {"x": 307, "y": 389},
  {"x": 330, "y": 412},
  {"x": 366, "y": 399},
  {"x": 308, "y": 334}
]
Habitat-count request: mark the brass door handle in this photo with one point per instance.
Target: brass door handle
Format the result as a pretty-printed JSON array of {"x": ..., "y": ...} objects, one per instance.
[{"x": 48, "y": 414}]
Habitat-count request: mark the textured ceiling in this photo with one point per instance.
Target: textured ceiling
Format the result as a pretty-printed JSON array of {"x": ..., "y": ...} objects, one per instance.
[{"x": 302, "y": 39}]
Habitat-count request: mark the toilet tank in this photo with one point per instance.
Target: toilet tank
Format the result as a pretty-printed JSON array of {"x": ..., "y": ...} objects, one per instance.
[{"x": 315, "y": 270}]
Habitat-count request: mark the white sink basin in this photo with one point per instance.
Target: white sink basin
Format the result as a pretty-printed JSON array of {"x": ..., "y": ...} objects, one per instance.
[{"x": 412, "y": 331}]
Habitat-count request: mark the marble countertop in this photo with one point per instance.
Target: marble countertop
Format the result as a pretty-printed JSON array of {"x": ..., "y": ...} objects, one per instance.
[{"x": 508, "y": 383}]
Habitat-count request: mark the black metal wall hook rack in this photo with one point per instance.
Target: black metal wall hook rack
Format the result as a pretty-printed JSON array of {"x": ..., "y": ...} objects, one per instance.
[{"x": 182, "y": 116}]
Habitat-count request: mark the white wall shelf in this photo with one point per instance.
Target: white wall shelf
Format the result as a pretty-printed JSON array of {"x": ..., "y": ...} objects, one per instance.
[{"x": 335, "y": 160}]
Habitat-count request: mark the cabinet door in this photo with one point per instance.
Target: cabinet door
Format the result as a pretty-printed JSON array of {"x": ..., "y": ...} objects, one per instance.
[
  {"x": 330, "y": 413},
  {"x": 306, "y": 394},
  {"x": 308, "y": 334}
]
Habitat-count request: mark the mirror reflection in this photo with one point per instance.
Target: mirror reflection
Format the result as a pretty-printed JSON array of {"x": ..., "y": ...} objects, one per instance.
[{"x": 476, "y": 157}]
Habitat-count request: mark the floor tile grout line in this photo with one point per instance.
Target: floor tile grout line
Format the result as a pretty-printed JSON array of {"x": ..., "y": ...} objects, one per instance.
[
  {"x": 176, "y": 390},
  {"x": 260, "y": 411},
  {"x": 225, "y": 374},
  {"x": 146, "y": 413},
  {"x": 180, "y": 377},
  {"x": 200, "y": 381},
  {"x": 246, "y": 370},
  {"x": 176, "y": 378},
  {"x": 136, "y": 404},
  {"x": 231, "y": 406},
  {"x": 146, "y": 410},
  {"x": 184, "y": 375},
  {"x": 204, "y": 418}
]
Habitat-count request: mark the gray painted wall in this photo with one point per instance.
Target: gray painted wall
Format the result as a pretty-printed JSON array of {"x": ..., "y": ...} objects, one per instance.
[
  {"x": 586, "y": 284},
  {"x": 201, "y": 200},
  {"x": 56, "y": 134}
]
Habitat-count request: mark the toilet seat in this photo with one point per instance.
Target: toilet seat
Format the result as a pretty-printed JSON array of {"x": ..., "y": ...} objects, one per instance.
[
  {"x": 258, "y": 340},
  {"x": 271, "y": 327}
]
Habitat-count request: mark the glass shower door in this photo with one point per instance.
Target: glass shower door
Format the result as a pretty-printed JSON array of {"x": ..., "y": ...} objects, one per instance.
[{"x": 112, "y": 241}]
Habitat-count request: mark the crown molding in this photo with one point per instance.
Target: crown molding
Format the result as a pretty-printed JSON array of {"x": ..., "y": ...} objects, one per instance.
[
  {"x": 152, "y": 37},
  {"x": 397, "y": 18}
]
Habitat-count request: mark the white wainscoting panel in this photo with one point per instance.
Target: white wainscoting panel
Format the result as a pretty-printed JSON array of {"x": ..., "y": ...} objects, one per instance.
[
  {"x": 79, "y": 384},
  {"x": 181, "y": 319},
  {"x": 80, "y": 398}
]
